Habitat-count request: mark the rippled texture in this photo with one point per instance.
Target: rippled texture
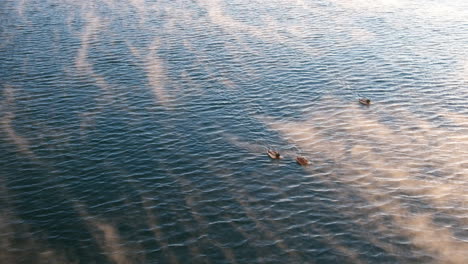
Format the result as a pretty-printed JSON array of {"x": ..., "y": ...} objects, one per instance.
[{"x": 136, "y": 131}]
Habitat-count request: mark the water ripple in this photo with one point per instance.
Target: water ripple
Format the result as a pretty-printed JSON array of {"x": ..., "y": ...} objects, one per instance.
[{"x": 130, "y": 135}]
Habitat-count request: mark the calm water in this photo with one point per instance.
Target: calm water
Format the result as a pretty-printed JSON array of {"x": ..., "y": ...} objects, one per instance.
[{"x": 136, "y": 131}]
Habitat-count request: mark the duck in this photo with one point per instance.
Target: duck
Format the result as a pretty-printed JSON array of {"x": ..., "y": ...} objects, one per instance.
[
  {"x": 273, "y": 154},
  {"x": 364, "y": 101},
  {"x": 302, "y": 161}
]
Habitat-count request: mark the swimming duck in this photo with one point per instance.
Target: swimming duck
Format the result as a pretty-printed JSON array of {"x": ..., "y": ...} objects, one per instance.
[
  {"x": 273, "y": 154},
  {"x": 302, "y": 161},
  {"x": 364, "y": 101}
]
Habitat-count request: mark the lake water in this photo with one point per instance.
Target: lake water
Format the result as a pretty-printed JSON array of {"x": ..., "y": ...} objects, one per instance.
[{"x": 136, "y": 131}]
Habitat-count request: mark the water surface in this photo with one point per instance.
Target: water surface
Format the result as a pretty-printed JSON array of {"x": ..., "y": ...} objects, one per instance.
[{"x": 136, "y": 131}]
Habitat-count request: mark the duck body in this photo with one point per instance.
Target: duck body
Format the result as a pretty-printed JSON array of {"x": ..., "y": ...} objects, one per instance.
[
  {"x": 364, "y": 101},
  {"x": 302, "y": 161},
  {"x": 273, "y": 154}
]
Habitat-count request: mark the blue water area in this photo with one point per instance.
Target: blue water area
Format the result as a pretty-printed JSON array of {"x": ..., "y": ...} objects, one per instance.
[{"x": 137, "y": 131}]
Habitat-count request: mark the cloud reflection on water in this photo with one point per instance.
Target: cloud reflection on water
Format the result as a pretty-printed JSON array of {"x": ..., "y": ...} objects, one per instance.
[
  {"x": 108, "y": 238},
  {"x": 378, "y": 168},
  {"x": 7, "y": 119},
  {"x": 90, "y": 33}
]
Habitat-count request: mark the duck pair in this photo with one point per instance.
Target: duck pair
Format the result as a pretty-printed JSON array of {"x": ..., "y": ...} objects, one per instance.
[{"x": 275, "y": 155}]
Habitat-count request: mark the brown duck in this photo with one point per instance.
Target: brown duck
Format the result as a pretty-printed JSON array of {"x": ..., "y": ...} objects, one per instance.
[
  {"x": 302, "y": 161},
  {"x": 273, "y": 154},
  {"x": 364, "y": 101}
]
